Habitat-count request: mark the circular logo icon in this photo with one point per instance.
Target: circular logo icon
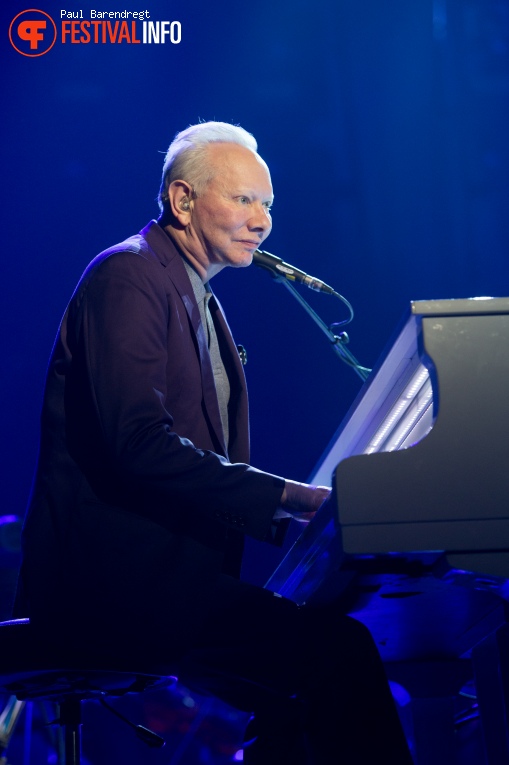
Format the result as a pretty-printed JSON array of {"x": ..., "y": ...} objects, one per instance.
[{"x": 32, "y": 33}]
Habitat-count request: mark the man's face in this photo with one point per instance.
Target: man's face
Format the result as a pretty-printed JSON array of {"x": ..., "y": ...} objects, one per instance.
[{"x": 231, "y": 217}]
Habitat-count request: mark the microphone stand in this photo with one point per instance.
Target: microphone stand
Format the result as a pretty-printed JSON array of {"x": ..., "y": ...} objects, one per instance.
[{"x": 338, "y": 341}]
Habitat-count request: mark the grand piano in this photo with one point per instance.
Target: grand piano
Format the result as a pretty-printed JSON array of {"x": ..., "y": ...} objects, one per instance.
[{"x": 415, "y": 542}]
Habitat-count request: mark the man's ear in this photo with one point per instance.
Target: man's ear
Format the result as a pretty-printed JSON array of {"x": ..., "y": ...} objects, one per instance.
[{"x": 180, "y": 198}]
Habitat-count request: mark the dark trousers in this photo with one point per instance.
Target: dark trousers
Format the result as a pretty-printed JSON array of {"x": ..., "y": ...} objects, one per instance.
[{"x": 311, "y": 676}]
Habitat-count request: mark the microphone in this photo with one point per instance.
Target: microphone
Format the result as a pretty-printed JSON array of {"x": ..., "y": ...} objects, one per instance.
[{"x": 284, "y": 270}]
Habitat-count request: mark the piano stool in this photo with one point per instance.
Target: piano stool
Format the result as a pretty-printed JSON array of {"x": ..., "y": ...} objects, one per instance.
[{"x": 32, "y": 669}]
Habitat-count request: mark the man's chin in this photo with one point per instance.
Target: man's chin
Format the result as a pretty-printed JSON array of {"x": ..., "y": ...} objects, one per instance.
[{"x": 243, "y": 260}]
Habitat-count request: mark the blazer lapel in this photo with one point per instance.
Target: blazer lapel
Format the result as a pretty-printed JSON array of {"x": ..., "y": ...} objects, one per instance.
[{"x": 168, "y": 255}]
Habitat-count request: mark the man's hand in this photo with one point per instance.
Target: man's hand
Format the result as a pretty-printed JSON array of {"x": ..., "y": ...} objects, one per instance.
[{"x": 301, "y": 501}]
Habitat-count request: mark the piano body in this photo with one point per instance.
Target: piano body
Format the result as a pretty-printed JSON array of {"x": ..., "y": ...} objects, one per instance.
[{"x": 415, "y": 541}]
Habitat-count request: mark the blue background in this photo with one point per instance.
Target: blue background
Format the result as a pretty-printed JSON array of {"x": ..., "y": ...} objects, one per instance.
[{"x": 385, "y": 128}]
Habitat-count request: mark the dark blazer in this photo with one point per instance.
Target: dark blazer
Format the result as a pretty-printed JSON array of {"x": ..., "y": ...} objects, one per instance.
[{"x": 136, "y": 506}]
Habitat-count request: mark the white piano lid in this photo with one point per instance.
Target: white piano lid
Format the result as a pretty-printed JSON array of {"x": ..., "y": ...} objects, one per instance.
[
  {"x": 460, "y": 306},
  {"x": 393, "y": 410}
]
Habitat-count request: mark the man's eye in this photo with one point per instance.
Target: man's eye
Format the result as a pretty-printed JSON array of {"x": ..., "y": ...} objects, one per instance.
[
  {"x": 244, "y": 200},
  {"x": 268, "y": 206}
]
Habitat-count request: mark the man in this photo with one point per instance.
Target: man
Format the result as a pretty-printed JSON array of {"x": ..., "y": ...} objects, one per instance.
[{"x": 144, "y": 492}]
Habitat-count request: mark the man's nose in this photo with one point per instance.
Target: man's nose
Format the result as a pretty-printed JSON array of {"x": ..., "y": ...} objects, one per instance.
[{"x": 260, "y": 220}]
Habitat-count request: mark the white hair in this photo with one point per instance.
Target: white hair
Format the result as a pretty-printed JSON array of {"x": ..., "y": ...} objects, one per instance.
[{"x": 185, "y": 159}]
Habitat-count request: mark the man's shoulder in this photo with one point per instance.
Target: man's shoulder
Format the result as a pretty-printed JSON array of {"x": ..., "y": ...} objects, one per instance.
[
  {"x": 147, "y": 258},
  {"x": 146, "y": 244},
  {"x": 150, "y": 246},
  {"x": 135, "y": 244}
]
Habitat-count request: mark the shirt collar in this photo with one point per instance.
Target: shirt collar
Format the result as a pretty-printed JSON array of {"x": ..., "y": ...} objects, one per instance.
[{"x": 199, "y": 288}]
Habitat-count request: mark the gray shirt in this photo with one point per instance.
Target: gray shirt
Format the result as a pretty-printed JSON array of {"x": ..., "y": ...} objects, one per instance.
[{"x": 203, "y": 294}]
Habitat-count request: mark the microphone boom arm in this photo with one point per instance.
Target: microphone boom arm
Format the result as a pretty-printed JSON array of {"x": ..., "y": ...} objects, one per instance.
[{"x": 338, "y": 341}]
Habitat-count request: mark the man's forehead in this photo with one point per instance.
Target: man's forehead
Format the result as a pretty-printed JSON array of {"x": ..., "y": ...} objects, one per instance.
[
  {"x": 233, "y": 154},
  {"x": 232, "y": 163}
]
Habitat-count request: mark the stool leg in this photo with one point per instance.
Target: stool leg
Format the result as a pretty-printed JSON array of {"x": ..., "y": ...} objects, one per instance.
[
  {"x": 70, "y": 718},
  {"x": 8, "y": 720}
]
